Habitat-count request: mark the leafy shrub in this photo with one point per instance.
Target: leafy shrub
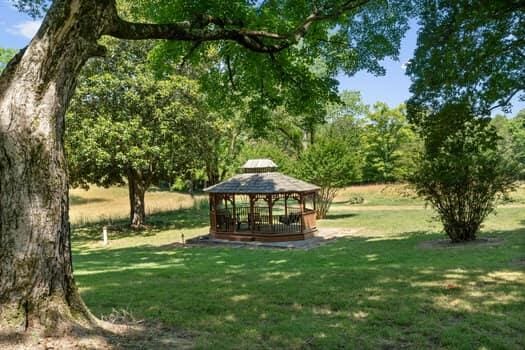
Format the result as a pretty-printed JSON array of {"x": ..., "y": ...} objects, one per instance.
[
  {"x": 461, "y": 171},
  {"x": 330, "y": 164},
  {"x": 356, "y": 200}
]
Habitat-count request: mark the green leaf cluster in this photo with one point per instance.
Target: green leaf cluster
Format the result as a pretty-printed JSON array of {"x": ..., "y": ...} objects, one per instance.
[
  {"x": 390, "y": 144},
  {"x": 331, "y": 162},
  {"x": 512, "y": 139},
  {"x": 5, "y": 56},
  {"x": 300, "y": 79},
  {"x": 469, "y": 51}
]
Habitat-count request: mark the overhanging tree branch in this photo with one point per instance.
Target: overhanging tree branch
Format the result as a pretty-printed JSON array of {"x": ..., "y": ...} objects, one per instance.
[
  {"x": 506, "y": 101},
  {"x": 209, "y": 28}
]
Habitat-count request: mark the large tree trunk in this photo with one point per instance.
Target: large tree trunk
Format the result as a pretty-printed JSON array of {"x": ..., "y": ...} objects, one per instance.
[
  {"x": 36, "y": 283},
  {"x": 137, "y": 190}
]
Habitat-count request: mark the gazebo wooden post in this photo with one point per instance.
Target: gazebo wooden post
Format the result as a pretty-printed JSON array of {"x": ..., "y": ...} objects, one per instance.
[
  {"x": 286, "y": 204},
  {"x": 301, "y": 209},
  {"x": 269, "y": 199},
  {"x": 213, "y": 214},
  {"x": 234, "y": 214},
  {"x": 251, "y": 217}
]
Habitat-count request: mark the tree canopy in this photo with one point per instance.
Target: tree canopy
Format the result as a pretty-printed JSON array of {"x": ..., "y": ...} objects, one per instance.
[
  {"x": 512, "y": 139},
  {"x": 469, "y": 51},
  {"x": 299, "y": 78},
  {"x": 331, "y": 162}
]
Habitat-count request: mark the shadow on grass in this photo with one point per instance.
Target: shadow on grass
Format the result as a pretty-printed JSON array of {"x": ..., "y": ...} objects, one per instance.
[
  {"x": 184, "y": 218},
  {"x": 336, "y": 216},
  {"x": 77, "y": 200},
  {"x": 346, "y": 201},
  {"x": 354, "y": 293}
]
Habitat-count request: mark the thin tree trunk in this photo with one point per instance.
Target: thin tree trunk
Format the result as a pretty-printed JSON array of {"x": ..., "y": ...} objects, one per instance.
[
  {"x": 212, "y": 172},
  {"x": 37, "y": 289},
  {"x": 137, "y": 190}
]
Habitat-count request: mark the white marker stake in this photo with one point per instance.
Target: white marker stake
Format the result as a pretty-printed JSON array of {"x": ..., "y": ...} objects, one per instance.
[{"x": 105, "y": 235}]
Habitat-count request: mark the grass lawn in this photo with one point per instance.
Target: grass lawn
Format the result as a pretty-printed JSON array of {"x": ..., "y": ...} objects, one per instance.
[{"x": 378, "y": 289}]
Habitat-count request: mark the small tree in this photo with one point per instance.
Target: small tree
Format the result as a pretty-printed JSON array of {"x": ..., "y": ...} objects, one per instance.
[
  {"x": 331, "y": 163},
  {"x": 461, "y": 171}
]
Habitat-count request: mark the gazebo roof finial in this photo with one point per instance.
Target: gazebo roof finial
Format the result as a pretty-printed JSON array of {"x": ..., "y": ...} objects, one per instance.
[{"x": 259, "y": 166}]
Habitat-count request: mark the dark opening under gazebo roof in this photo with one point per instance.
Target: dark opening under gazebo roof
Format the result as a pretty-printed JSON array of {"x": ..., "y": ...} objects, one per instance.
[{"x": 272, "y": 182}]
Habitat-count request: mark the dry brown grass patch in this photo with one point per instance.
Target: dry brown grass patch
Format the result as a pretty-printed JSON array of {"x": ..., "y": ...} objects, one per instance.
[{"x": 112, "y": 204}]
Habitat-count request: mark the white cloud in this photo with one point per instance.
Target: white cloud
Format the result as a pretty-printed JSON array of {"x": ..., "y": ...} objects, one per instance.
[
  {"x": 26, "y": 29},
  {"x": 405, "y": 65}
]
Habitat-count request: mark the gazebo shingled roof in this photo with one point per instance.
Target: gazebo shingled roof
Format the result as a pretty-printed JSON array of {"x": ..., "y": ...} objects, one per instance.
[{"x": 261, "y": 183}]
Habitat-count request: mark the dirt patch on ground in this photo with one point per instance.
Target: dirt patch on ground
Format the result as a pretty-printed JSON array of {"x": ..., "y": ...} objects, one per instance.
[
  {"x": 447, "y": 243},
  {"x": 137, "y": 335}
]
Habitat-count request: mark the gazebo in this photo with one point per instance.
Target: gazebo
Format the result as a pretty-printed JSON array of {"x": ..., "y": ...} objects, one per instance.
[{"x": 262, "y": 204}]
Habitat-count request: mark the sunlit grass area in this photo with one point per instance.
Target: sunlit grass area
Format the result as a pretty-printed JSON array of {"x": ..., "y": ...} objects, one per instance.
[
  {"x": 380, "y": 288},
  {"x": 378, "y": 194}
]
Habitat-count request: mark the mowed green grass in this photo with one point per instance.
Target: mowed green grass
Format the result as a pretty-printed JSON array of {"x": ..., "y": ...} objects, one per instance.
[{"x": 377, "y": 289}]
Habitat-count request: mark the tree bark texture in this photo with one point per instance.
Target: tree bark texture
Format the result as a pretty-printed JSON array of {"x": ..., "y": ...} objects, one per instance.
[{"x": 36, "y": 281}]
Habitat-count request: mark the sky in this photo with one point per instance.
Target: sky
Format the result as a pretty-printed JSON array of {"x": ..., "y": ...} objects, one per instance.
[
  {"x": 391, "y": 88},
  {"x": 17, "y": 29}
]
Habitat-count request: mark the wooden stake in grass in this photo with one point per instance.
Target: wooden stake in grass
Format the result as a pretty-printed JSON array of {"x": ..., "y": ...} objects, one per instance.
[{"x": 182, "y": 239}]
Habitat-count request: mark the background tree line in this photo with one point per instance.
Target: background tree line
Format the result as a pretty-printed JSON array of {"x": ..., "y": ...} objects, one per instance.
[
  {"x": 144, "y": 121},
  {"x": 141, "y": 119}
]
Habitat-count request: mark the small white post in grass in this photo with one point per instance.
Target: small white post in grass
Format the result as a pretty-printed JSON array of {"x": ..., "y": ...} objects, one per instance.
[{"x": 104, "y": 235}]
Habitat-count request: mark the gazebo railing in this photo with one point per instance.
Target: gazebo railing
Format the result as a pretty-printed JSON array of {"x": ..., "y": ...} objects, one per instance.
[{"x": 258, "y": 220}]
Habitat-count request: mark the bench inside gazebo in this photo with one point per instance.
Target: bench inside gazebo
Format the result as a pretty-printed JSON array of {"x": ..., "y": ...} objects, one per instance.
[{"x": 262, "y": 204}]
